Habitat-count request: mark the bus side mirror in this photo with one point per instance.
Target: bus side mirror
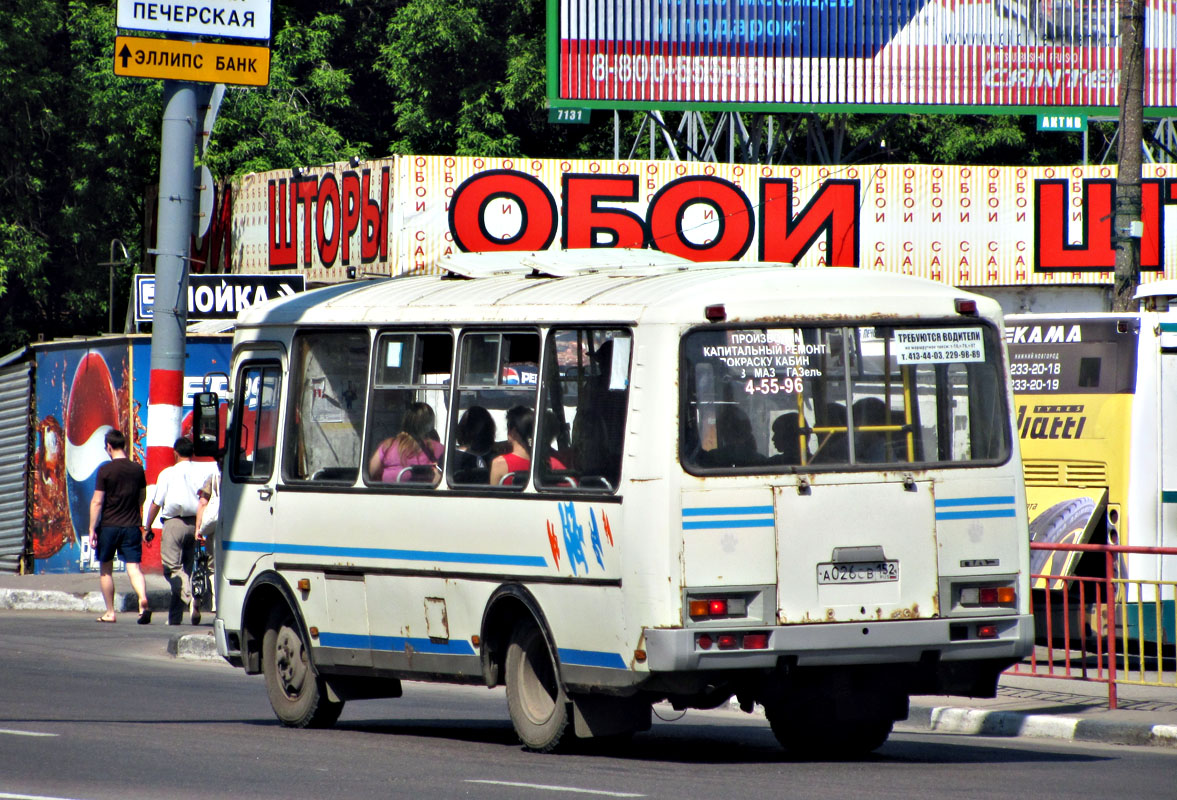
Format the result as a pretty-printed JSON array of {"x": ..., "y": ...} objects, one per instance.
[{"x": 208, "y": 434}]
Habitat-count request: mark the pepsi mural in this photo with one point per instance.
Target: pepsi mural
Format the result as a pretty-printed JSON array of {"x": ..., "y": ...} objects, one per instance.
[{"x": 84, "y": 389}]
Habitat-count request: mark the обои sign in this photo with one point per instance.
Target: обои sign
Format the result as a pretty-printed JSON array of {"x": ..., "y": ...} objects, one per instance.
[
  {"x": 238, "y": 19},
  {"x": 964, "y": 225}
]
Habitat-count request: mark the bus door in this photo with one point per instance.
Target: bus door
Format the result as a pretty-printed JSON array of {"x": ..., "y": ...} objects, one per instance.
[{"x": 250, "y": 465}]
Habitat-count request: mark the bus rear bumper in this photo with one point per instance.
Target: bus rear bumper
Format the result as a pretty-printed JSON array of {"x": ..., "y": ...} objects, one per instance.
[{"x": 846, "y": 643}]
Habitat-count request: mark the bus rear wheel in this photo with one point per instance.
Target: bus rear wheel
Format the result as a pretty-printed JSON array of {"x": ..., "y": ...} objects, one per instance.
[
  {"x": 297, "y": 694},
  {"x": 540, "y": 710},
  {"x": 809, "y": 735}
]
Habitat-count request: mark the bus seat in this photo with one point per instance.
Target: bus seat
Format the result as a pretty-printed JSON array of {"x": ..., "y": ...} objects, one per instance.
[
  {"x": 476, "y": 475},
  {"x": 517, "y": 479},
  {"x": 346, "y": 474},
  {"x": 418, "y": 473}
]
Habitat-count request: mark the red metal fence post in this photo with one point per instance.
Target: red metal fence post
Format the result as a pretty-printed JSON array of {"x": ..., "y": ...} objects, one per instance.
[{"x": 1109, "y": 559}]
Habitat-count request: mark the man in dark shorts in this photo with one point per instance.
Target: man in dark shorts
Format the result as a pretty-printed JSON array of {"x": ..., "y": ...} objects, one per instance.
[{"x": 115, "y": 515}]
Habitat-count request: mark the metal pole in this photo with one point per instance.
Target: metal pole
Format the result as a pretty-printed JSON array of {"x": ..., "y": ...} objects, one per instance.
[
  {"x": 173, "y": 236},
  {"x": 1127, "y": 222}
]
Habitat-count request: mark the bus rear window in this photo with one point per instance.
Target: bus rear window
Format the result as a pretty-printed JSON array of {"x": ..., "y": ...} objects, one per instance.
[{"x": 781, "y": 399}]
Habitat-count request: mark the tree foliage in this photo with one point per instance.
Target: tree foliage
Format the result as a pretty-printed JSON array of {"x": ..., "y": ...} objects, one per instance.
[{"x": 79, "y": 146}]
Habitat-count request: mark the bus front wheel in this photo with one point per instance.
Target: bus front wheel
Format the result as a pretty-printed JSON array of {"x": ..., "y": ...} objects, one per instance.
[
  {"x": 540, "y": 711},
  {"x": 297, "y": 694}
]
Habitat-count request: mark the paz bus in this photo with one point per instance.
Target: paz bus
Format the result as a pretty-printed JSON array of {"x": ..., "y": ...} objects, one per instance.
[
  {"x": 1096, "y": 407},
  {"x": 797, "y": 488}
]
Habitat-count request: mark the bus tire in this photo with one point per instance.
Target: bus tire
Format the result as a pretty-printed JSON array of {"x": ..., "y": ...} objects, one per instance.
[
  {"x": 540, "y": 710},
  {"x": 805, "y": 736},
  {"x": 297, "y": 694}
]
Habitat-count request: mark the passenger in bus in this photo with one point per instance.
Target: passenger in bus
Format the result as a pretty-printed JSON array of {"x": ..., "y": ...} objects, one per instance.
[
  {"x": 520, "y": 430},
  {"x": 415, "y": 446},
  {"x": 594, "y": 451},
  {"x": 735, "y": 442},
  {"x": 475, "y": 437},
  {"x": 786, "y": 438},
  {"x": 833, "y": 447},
  {"x": 870, "y": 447}
]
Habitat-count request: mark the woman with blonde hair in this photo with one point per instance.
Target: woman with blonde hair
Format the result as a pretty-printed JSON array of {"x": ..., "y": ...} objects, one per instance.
[{"x": 415, "y": 445}]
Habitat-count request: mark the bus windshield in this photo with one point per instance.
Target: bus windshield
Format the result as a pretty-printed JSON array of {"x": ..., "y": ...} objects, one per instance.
[{"x": 779, "y": 399}]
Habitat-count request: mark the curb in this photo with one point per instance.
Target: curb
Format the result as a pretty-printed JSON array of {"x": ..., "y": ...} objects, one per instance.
[
  {"x": 978, "y": 722},
  {"x": 196, "y": 646},
  {"x": 90, "y": 602}
]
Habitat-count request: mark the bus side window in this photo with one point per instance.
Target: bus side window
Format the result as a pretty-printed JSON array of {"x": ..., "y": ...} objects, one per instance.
[
  {"x": 409, "y": 409},
  {"x": 255, "y": 419},
  {"x": 494, "y": 410},
  {"x": 585, "y": 395},
  {"x": 329, "y": 391}
]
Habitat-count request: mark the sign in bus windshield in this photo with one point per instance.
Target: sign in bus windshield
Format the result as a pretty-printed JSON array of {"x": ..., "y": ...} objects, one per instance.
[
  {"x": 772, "y": 399},
  {"x": 1061, "y": 356}
]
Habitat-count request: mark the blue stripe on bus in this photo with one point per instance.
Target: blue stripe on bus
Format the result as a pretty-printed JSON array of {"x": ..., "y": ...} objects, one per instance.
[
  {"x": 1169, "y": 497},
  {"x": 728, "y": 523},
  {"x": 1168, "y": 327},
  {"x": 725, "y": 511},
  {"x": 978, "y": 514},
  {"x": 441, "y": 556},
  {"x": 591, "y": 658},
  {"x": 1000, "y": 500},
  {"x": 395, "y": 644}
]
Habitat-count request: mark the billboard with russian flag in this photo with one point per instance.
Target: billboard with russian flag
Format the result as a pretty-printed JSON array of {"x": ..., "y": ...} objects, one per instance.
[{"x": 949, "y": 56}]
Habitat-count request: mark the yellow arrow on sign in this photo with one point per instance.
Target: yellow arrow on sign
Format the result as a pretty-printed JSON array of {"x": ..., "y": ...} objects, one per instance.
[{"x": 202, "y": 62}]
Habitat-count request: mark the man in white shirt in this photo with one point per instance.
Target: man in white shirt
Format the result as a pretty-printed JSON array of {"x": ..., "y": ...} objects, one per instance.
[{"x": 175, "y": 501}]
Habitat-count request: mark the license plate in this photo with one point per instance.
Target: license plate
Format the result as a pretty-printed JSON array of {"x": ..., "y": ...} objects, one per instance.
[{"x": 858, "y": 572}]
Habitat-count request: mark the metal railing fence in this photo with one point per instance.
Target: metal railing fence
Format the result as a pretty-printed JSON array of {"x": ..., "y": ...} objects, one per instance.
[{"x": 1109, "y": 629}]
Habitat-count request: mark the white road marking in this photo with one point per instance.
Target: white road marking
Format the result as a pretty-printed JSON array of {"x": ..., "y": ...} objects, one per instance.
[
  {"x": 5, "y": 796},
  {"x": 547, "y": 788},
  {"x": 24, "y": 733}
]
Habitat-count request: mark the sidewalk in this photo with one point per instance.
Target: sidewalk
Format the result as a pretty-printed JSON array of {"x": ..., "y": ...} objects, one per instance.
[
  {"x": 80, "y": 592},
  {"x": 1048, "y": 708}
]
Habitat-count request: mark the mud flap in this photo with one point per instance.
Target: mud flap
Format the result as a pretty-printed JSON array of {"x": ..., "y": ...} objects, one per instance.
[{"x": 599, "y": 715}]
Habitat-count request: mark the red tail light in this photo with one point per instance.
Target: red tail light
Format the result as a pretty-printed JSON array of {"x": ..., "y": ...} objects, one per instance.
[{"x": 755, "y": 641}]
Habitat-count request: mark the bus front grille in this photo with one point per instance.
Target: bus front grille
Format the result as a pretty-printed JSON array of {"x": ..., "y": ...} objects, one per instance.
[{"x": 1065, "y": 473}]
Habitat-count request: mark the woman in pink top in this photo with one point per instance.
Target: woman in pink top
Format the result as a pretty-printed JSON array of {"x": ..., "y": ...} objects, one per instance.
[
  {"x": 520, "y": 424},
  {"x": 414, "y": 446}
]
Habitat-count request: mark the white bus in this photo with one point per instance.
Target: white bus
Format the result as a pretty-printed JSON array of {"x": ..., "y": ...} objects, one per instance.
[
  {"x": 1096, "y": 404},
  {"x": 796, "y": 487}
]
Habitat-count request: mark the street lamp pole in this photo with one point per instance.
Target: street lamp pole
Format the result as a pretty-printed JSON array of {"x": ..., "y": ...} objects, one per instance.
[{"x": 125, "y": 260}]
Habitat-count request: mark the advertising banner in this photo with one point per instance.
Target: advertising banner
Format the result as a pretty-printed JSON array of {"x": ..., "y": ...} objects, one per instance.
[
  {"x": 968, "y": 226},
  {"x": 935, "y": 54},
  {"x": 85, "y": 388}
]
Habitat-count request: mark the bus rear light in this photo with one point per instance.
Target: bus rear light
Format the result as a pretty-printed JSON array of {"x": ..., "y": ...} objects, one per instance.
[
  {"x": 704, "y": 641},
  {"x": 755, "y": 641},
  {"x": 717, "y": 607},
  {"x": 986, "y": 631},
  {"x": 967, "y": 307},
  {"x": 716, "y": 313},
  {"x": 988, "y": 596},
  {"x": 728, "y": 641}
]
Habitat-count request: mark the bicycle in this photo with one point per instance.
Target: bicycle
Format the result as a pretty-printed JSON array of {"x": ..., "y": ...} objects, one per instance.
[{"x": 202, "y": 574}]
